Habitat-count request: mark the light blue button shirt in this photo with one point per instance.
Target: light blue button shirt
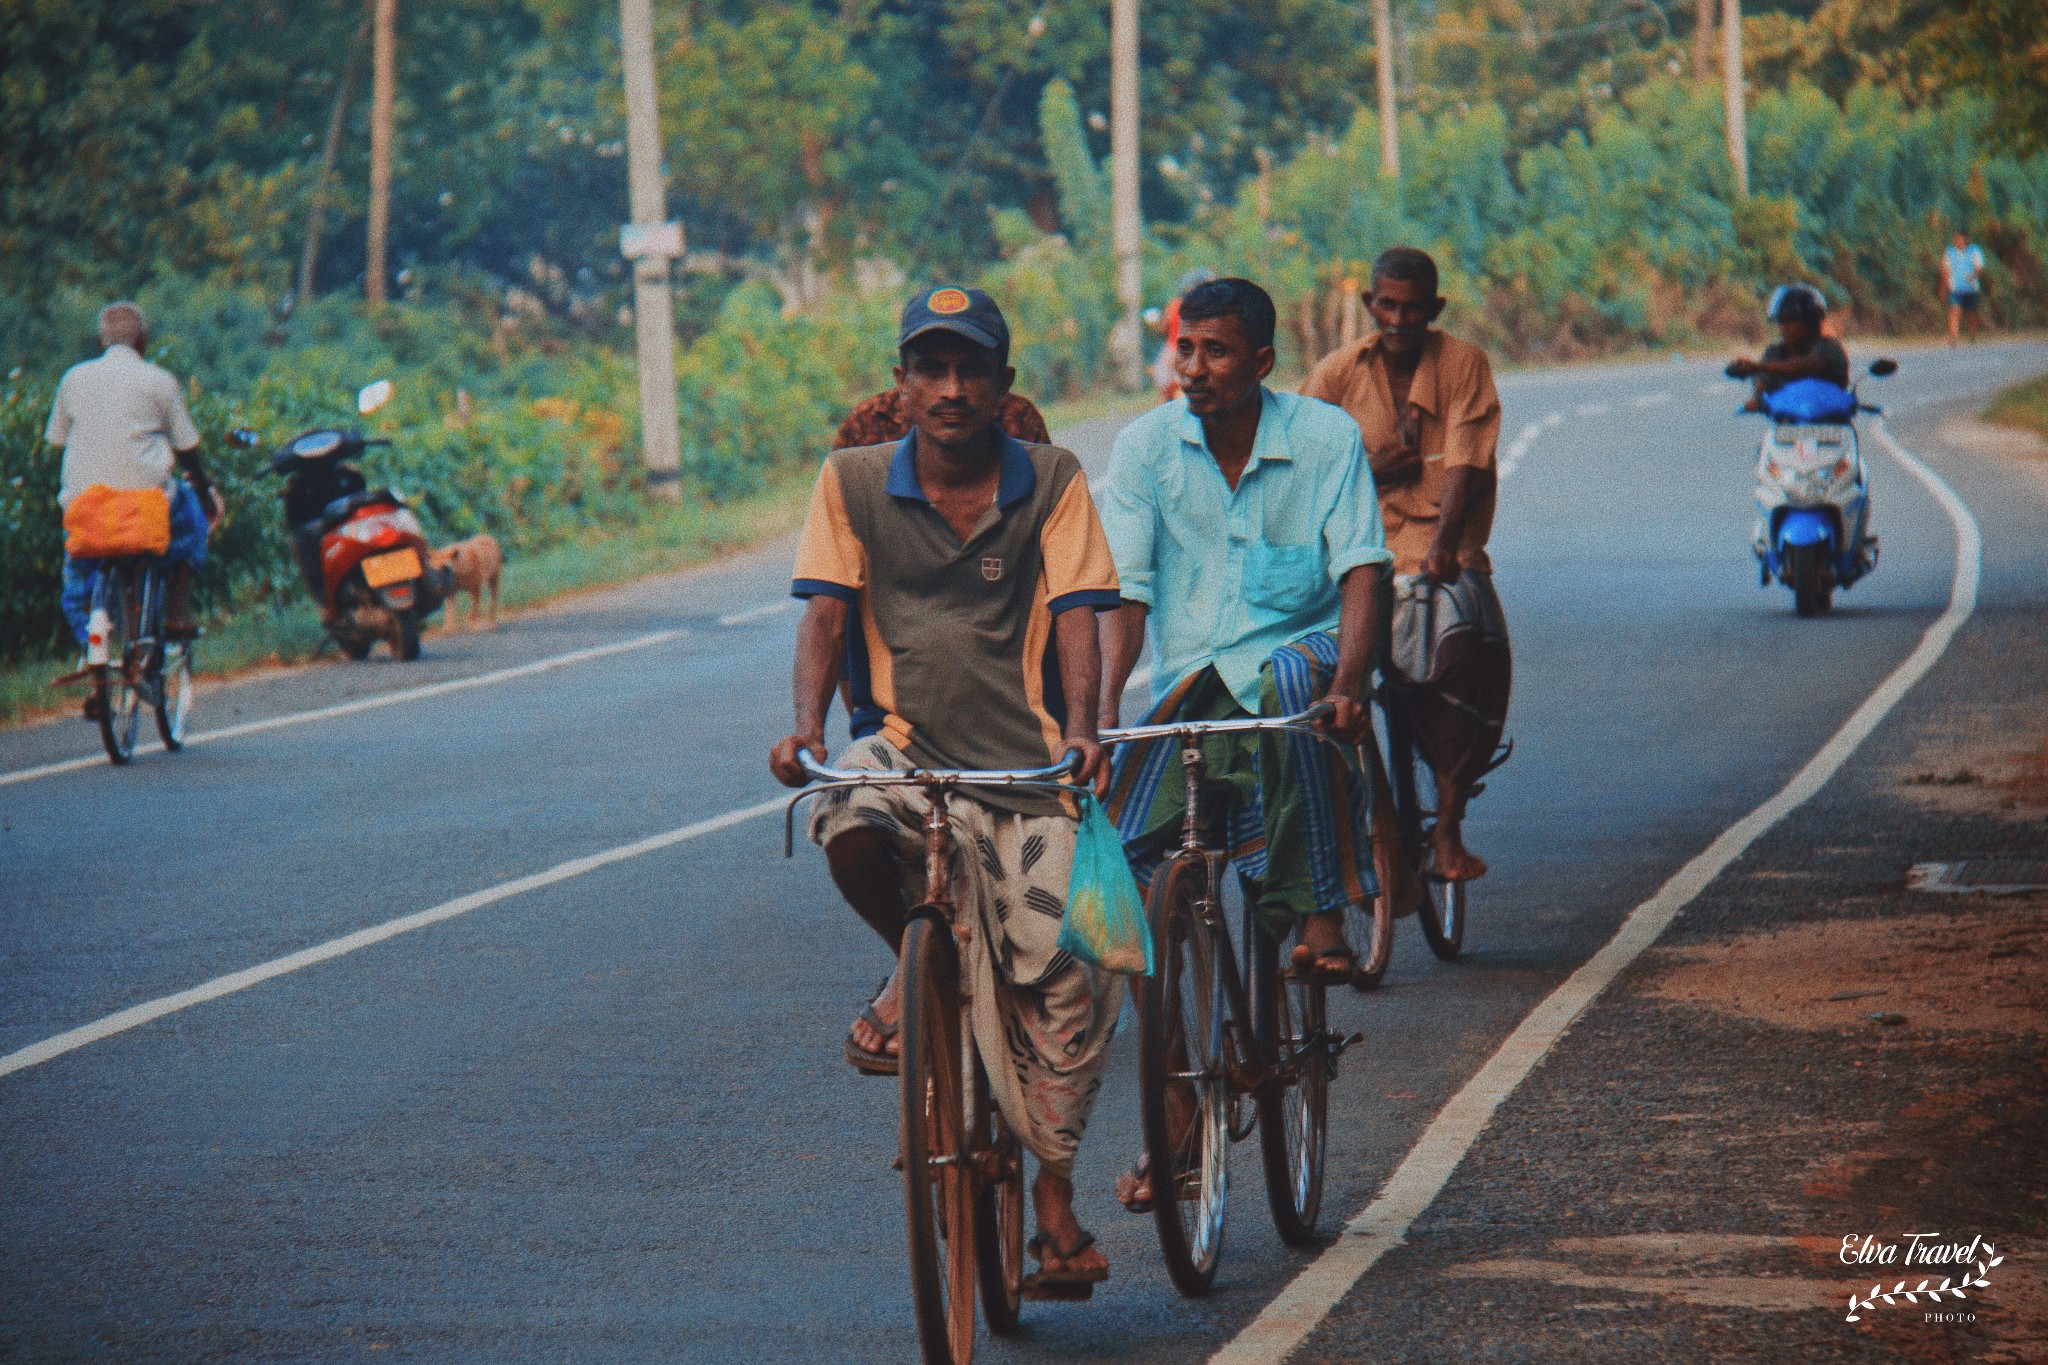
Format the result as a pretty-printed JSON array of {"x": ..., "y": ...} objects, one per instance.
[{"x": 1232, "y": 575}]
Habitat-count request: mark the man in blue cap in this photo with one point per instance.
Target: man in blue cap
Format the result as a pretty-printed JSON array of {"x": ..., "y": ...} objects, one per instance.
[{"x": 955, "y": 575}]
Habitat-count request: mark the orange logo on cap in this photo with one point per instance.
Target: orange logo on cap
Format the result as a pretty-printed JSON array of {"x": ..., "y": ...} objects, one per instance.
[{"x": 946, "y": 302}]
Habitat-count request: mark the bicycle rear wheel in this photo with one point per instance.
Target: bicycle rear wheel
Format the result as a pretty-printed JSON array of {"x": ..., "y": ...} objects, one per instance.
[
  {"x": 174, "y": 694},
  {"x": 998, "y": 1215},
  {"x": 1294, "y": 1103},
  {"x": 1183, "y": 1077},
  {"x": 1442, "y": 916},
  {"x": 1370, "y": 928},
  {"x": 120, "y": 702},
  {"x": 937, "y": 1175}
]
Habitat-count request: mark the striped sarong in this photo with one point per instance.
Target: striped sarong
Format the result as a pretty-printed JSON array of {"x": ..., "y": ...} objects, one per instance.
[{"x": 1299, "y": 811}]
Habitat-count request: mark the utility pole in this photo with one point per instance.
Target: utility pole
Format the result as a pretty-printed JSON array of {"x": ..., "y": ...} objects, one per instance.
[
  {"x": 1383, "y": 46},
  {"x": 650, "y": 242},
  {"x": 1125, "y": 227},
  {"x": 1702, "y": 40},
  {"x": 1731, "y": 91},
  {"x": 383, "y": 88}
]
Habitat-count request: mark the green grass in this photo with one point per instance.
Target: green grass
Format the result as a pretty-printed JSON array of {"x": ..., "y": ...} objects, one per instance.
[
  {"x": 666, "y": 540},
  {"x": 2023, "y": 405}
]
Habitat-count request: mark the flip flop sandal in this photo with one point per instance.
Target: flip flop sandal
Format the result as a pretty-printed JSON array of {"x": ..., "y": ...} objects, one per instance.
[
  {"x": 1310, "y": 969},
  {"x": 872, "y": 1063},
  {"x": 1061, "y": 1284}
]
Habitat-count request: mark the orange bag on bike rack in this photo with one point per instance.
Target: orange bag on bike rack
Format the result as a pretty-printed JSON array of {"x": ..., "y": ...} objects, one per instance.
[{"x": 104, "y": 523}]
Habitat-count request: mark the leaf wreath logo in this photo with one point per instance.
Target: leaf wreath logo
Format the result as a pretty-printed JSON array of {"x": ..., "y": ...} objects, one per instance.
[{"x": 1933, "y": 1293}]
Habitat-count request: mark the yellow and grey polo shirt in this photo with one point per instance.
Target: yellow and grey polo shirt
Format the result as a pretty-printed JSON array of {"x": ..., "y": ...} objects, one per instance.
[{"x": 951, "y": 654}]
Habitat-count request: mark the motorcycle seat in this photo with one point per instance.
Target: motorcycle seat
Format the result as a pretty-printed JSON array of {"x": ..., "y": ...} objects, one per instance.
[{"x": 346, "y": 506}]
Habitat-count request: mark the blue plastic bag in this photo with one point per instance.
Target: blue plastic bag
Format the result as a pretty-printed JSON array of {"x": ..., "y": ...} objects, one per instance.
[{"x": 1104, "y": 922}]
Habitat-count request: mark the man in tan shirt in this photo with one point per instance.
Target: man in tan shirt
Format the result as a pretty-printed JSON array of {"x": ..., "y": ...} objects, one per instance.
[{"x": 1425, "y": 404}]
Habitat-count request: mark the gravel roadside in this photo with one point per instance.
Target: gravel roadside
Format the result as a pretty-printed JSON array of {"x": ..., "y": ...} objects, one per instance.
[{"x": 1812, "y": 1053}]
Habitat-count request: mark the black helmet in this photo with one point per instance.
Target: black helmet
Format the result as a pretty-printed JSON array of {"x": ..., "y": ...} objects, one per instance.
[{"x": 1796, "y": 303}]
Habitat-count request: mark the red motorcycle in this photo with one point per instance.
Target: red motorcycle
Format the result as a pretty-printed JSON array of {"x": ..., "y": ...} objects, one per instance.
[{"x": 361, "y": 551}]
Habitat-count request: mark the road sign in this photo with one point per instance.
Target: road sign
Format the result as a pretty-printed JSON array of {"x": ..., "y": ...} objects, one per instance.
[{"x": 650, "y": 239}]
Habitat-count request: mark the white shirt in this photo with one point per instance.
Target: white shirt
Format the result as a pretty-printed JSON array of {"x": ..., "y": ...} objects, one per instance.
[{"x": 118, "y": 419}]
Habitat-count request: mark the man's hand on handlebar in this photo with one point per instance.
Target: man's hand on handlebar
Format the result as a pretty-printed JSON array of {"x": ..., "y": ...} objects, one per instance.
[
  {"x": 1741, "y": 368},
  {"x": 1094, "y": 763},
  {"x": 1346, "y": 720},
  {"x": 782, "y": 759}
]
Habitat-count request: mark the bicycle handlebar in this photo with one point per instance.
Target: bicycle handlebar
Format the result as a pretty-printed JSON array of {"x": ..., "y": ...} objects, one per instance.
[
  {"x": 960, "y": 777},
  {"x": 1188, "y": 729}
]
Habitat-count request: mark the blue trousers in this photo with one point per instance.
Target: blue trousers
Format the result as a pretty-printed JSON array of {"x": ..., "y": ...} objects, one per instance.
[{"x": 188, "y": 546}]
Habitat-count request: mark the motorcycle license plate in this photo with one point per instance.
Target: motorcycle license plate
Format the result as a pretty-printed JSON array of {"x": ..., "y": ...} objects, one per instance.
[{"x": 396, "y": 567}]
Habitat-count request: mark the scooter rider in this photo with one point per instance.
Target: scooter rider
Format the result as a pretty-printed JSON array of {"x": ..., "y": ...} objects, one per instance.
[{"x": 1802, "y": 352}]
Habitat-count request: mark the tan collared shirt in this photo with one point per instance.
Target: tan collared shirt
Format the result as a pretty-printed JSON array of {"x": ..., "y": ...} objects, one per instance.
[
  {"x": 119, "y": 418},
  {"x": 1460, "y": 424}
]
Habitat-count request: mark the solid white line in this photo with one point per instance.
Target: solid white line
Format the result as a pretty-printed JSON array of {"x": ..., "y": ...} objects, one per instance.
[
  {"x": 740, "y": 618},
  {"x": 136, "y": 1015},
  {"x": 350, "y": 708},
  {"x": 1590, "y": 410},
  {"x": 1287, "y": 1321},
  {"x": 1649, "y": 400}
]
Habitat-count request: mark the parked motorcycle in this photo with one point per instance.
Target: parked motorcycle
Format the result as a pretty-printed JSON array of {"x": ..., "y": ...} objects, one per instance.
[
  {"x": 361, "y": 551},
  {"x": 1811, "y": 494}
]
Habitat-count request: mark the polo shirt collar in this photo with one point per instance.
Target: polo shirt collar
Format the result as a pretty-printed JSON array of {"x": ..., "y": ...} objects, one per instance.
[
  {"x": 1018, "y": 481},
  {"x": 123, "y": 350},
  {"x": 1269, "y": 443}
]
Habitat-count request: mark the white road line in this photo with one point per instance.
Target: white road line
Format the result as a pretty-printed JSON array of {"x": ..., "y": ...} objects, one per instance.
[
  {"x": 383, "y": 699},
  {"x": 1714, "y": 390},
  {"x": 1532, "y": 431},
  {"x": 1591, "y": 410},
  {"x": 740, "y": 618},
  {"x": 1650, "y": 400},
  {"x": 1287, "y": 1321},
  {"x": 1553, "y": 419},
  {"x": 137, "y": 1015}
]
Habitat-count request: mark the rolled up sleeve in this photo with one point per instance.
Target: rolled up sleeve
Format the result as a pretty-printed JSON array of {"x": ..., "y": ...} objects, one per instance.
[
  {"x": 1129, "y": 520},
  {"x": 1471, "y": 417},
  {"x": 830, "y": 560},
  {"x": 1079, "y": 569}
]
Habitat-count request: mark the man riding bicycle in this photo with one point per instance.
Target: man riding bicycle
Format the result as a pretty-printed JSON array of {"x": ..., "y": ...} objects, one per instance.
[
  {"x": 1248, "y": 544},
  {"x": 123, "y": 425},
  {"x": 955, "y": 575},
  {"x": 1425, "y": 405}
]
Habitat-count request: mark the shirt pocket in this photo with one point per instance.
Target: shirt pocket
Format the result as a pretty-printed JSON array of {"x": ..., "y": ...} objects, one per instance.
[{"x": 1284, "y": 577}]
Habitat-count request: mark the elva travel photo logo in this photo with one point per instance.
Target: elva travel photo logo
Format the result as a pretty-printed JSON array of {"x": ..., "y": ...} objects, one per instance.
[{"x": 1920, "y": 1250}]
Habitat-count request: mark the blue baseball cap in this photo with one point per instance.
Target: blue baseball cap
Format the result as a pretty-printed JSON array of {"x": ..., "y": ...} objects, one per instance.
[{"x": 968, "y": 313}]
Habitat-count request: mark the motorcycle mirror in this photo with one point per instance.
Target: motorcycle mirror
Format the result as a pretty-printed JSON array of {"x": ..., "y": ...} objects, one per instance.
[
  {"x": 243, "y": 437},
  {"x": 1732, "y": 371},
  {"x": 373, "y": 396},
  {"x": 1881, "y": 368}
]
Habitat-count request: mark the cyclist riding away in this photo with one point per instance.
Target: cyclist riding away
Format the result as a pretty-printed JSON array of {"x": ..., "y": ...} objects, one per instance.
[
  {"x": 1802, "y": 351},
  {"x": 955, "y": 575},
  {"x": 1248, "y": 545},
  {"x": 123, "y": 425},
  {"x": 1426, "y": 408}
]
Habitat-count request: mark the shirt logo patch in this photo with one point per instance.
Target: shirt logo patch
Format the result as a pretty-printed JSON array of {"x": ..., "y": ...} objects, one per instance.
[
  {"x": 946, "y": 302},
  {"x": 992, "y": 568}
]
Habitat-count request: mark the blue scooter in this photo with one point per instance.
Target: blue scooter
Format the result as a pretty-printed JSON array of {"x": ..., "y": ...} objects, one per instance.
[{"x": 1812, "y": 498}]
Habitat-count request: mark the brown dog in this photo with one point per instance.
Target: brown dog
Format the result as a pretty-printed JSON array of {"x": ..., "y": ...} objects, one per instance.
[{"x": 477, "y": 562}]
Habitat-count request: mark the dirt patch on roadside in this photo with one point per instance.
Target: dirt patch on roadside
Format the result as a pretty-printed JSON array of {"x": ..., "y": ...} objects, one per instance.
[{"x": 1981, "y": 968}]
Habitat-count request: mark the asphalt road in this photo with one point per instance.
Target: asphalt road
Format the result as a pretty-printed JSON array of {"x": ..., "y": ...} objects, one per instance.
[{"x": 605, "y": 1118}]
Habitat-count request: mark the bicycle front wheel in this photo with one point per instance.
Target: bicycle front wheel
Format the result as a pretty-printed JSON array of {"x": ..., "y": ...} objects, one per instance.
[
  {"x": 1294, "y": 1104},
  {"x": 174, "y": 695},
  {"x": 998, "y": 1215},
  {"x": 937, "y": 1172},
  {"x": 120, "y": 701},
  {"x": 1183, "y": 1077}
]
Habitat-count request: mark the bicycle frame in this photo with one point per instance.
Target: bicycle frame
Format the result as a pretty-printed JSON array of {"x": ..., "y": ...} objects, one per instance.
[{"x": 1249, "y": 1075}]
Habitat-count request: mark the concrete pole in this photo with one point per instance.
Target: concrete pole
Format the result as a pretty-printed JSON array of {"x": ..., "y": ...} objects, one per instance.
[
  {"x": 1702, "y": 40},
  {"x": 383, "y": 90},
  {"x": 1126, "y": 228},
  {"x": 1731, "y": 89},
  {"x": 661, "y": 445},
  {"x": 1390, "y": 113}
]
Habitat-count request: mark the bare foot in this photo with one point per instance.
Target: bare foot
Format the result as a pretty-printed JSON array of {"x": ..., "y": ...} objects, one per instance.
[
  {"x": 1453, "y": 861},
  {"x": 1052, "y": 1200},
  {"x": 888, "y": 1007},
  {"x": 1321, "y": 949}
]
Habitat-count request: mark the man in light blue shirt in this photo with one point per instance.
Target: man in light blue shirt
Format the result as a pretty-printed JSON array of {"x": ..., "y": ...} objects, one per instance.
[
  {"x": 1962, "y": 279},
  {"x": 1247, "y": 540}
]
